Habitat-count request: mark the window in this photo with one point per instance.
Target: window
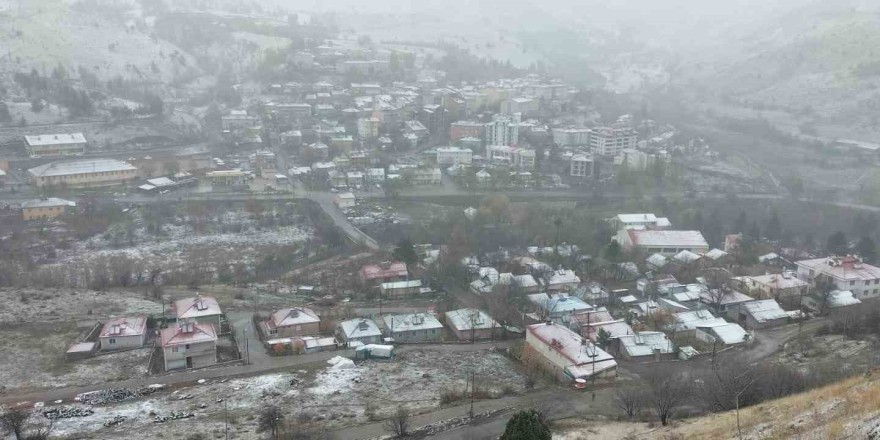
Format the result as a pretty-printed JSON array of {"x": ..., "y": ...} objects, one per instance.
[
  {"x": 867, "y": 282},
  {"x": 186, "y": 347},
  {"x": 299, "y": 328},
  {"x": 852, "y": 283},
  {"x": 174, "y": 349},
  {"x": 112, "y": 340}
]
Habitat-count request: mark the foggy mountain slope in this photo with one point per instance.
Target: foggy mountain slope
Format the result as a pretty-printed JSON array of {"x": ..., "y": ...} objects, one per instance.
[{"x": 44, "y": 33}]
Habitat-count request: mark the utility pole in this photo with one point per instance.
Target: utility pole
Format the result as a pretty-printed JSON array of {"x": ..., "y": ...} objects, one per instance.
[{"x": 473, "y": 389}]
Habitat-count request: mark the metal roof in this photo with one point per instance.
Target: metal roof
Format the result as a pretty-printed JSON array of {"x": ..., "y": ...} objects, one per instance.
[
  {"x": 470, "y": 319},
  {"x": 765, "y": 310},
  {"x": 359, "y": 328},
  {"x": 55, "y": 139},
  {"x": 80, "y": 167},
  {"x": 661, "y": 239},
  {"x": 46, "y": 203}
]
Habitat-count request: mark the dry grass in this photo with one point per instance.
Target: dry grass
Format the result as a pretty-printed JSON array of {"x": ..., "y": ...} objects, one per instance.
[{"x": 831, "y": 412}]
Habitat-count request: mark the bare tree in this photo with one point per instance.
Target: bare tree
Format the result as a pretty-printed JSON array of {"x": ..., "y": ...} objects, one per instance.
[
  {"x": 399, "y": 423},
  {"x": 630, "y": 400},
  {"x": 22, "y": 425},
  {"x": 270, "y": 420},
  {"x": 15, "y": 421},
  {"x": 667, "y": 390}
]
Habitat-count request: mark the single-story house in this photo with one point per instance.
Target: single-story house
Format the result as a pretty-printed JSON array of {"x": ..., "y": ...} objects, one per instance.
[
  {"x": 292, "y": 322},
  {"x": 362, "y": 330},
  {"x": 687, "y": 322},
  {"x": 562, "y": 279},
  {"x": 189, "y": 344},
  {"x": 345, "y": 200},
  {"x": 471, "y": 324},
  {"x": 763, "y": 313},
  {"x": 565, "y": 354},
  {"x": 414, "y": 327},
  {"x": 122, "y": 333},
  {"x": 836, "y": 300},
  {"x": 724, "y": 302},
  {"x": 722, "y": 334},
  {"x": 645, "y": 346},
  {"x": 557, "y": 307},
  {"x": 399, "y": 289},
  {"x": 48, "y": 208},
  {"x": 615, "y": 329}
]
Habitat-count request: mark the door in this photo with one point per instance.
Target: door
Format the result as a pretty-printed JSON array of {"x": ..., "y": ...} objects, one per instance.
[{"x": 189, "y": 362}]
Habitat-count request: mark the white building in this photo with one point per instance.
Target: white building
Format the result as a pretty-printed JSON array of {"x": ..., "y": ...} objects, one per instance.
[
  {"x": 846, "y": 273},
  {"x": 238, "y": 120},
  {"x": 345, "y": 200},
  {"x": 123, "y": 333},
  {"x": 415, "y": 327},
  {"x": 52, "y": 145},
  {"x": 565, "y": 354},
  {"x": 607, "y": 141},
  {"x": 454, "y": 156},
  {"x": 503, "y": 130},
  {"x": 522, "y": 158},
  {"x": 640, "y": 221},
  {"x": 581, "y": 165},
  {"x": 571, "y": 137},
  {"x": 666, "y": 243},
  {"x": 368, "y": 128},
  {"x": 361, "y": 330}
]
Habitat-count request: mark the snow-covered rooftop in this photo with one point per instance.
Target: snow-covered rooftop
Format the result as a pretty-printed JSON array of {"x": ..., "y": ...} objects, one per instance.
[{"x": 470, "y": 319}]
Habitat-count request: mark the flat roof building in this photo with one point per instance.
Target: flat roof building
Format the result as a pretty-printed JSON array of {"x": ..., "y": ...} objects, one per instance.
[
  {"x": 55, "y": 145},
  {"x": 81, "y": 173}
]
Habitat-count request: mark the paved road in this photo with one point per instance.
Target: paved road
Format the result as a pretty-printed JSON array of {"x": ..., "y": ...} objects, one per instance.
[{"x": 259, "y": 365}]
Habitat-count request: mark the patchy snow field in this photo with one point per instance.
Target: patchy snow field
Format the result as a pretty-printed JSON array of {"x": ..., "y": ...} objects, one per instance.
[
  {"x": 67, "y": 305},
  {"x": 35, "y": 359},
  {"x": 334, "y": 396}
]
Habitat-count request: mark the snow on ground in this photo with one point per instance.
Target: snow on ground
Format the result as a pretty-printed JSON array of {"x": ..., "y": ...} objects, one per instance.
[
  {"x": 59, "y": 305},
  {"x": 333, "y": 395}
]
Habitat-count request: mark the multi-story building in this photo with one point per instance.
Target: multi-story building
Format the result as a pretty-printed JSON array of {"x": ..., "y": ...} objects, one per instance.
[
  {"x": 80, "y": 173},
  {"x": 640, "y": 221},
  {"x": 291, "y": 112},
  {"x": 581, "y": 165},
  {"x": 434, "y": 118},
  {"x": 238, "y": 120},
  {"x": 846, "y": 273},
  {"x": 466, "y": 129},
  {"x": 292, "y": 322},
  {"x": 52, "y": 145},
  {"x": 39, "y": 209},
  {"x": 522, "y": 158},
  {"x": 571, "y": 137},
  {"x": 454, "y": 156},
  {"x": 368, "y": 128},
  {"x": 607, "y": 141},
  {"x": 503, "y": 130},
  {"x": 188, "y": 344},
  {"x": 565, "y": 354}
]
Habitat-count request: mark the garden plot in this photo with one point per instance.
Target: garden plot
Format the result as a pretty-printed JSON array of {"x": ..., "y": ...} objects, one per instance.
[{"x": 35, "y": 359}]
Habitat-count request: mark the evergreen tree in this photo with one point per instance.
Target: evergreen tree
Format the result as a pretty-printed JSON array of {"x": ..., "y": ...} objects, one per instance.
[
  {"x": 774, "y": 227},
  {"x": 837, "y": 244},
  {"x": 527, "y": 425},
  {"x": 867, "y": 249},
  {"x": 405, "y": 252}
]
